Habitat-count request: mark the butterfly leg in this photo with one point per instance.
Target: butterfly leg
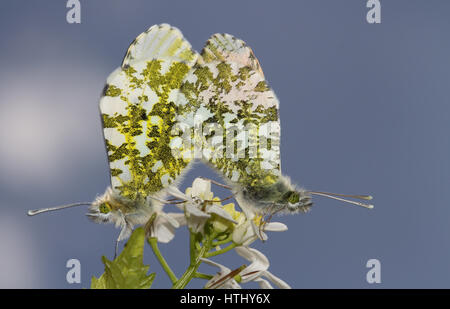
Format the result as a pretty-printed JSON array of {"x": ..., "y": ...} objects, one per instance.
[
  {"x": 116, "y": 248},
  {"x": 124, "y": 233},
  {"x": 148, "y": 227}
]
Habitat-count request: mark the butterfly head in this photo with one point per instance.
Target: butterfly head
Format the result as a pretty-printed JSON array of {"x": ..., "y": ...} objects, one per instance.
[
  {"x": 113, "y": 208},
  {"x": 105, "y": 208},
  {"x": 281, "y": 196},
  {"x": 289, "y": 198},
  {"x": 295, "y": 201}
]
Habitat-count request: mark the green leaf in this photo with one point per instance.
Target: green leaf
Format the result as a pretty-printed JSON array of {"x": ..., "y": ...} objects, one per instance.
[{"x": 127, "y": 271}]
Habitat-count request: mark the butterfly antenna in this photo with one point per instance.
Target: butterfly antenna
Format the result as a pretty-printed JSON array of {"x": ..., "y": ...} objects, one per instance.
[
  {"x": 170, "y": 201},
  {"x": 338, "y": 197},
  {"x": 39, "y": 211}
]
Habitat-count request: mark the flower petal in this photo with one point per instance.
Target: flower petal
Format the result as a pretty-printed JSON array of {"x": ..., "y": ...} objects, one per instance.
[
  {"x": 179, "y": 217},
  {"x": 277, "y": 281},
  {"x": 223, "y": 269},
  {"x": 201, "y": 187},
  {"x": 239, "y": 234},
  {"x": 260, "y": 258},
  {"x": 243, "y": 234},
  {"x": 221, "y": 213},
  {"x": 229, "y": 283},
  {"x": 192, "y": 209},
  {"x": 259, "y": 261},
  {"x": 170, "y": 219},
  {"x": 176, "y": 193},
  {"x": 249, "y": 240},
  {"x": 275, "y": 227},
  {"x": 163, "y": 230},
  {"x": 263, "y": 283}
]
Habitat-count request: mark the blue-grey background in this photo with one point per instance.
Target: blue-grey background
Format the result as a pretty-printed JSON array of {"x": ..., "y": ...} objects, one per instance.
[{"x": 364, "y": 109}]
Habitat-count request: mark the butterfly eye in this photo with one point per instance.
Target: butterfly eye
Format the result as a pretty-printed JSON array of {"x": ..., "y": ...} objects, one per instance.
[
  {"x": 294, "y": 197},
  {"x": 104, "y": 208}
]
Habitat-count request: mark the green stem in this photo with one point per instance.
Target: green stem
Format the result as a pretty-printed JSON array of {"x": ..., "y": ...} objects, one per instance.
[
  {"x": 221, "y": 242},
  {"x": 192, "y": 243},
  {"x": 226, "y": 249},
  {"x": 191, "y": 270},
  {"x": 195, "y": 259},
  {"x": 203, "y": 276},
  {"x": 154, "y": 244}
]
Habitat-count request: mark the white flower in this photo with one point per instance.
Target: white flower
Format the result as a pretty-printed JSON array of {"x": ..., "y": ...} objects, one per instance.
[
  {"x": 247, "y": 232},
  {"x": 251, "y": 227},
  {"x": 254, "y": 272},
  {"x": 258, "y": 269},
  {"x": 163, "y": 228},
  {"x": 197, "y": 211},
  {"x": 214, "y": 282}
]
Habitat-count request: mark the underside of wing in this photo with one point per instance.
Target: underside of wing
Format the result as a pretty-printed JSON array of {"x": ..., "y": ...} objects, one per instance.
[
  {"x": 139, "y": 106},
  {"x": 229, "y": 85},
  {"x": 160, "y": 42},
  {"x": 227, "y": 48}
]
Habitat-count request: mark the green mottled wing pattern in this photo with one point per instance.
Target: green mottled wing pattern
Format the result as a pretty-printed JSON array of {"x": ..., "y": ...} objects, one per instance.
[
  {"x": 226, "y": 48},
  {"x": 139, "y": 107},
  {"x": 164, "y": 89},
  {"x": 229, "y": 89},
  {"x": 163, "y": 42}
]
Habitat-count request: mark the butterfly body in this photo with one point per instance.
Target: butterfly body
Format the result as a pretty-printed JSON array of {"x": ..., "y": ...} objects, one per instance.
[
  {"x": 279, "y": 197},
  {"x": 122, "y": 212}
]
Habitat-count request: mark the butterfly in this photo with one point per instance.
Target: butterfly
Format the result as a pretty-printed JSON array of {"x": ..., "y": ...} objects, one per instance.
[{"x": 167, "y": 105}]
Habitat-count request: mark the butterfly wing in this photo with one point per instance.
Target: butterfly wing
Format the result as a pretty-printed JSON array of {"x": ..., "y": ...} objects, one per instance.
[
  {"x": 139, "y": 105},
  {"x": 234, "y": 97},
  {"x": 160, "y": 42},
  {"x": 226, "y": 48}
]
